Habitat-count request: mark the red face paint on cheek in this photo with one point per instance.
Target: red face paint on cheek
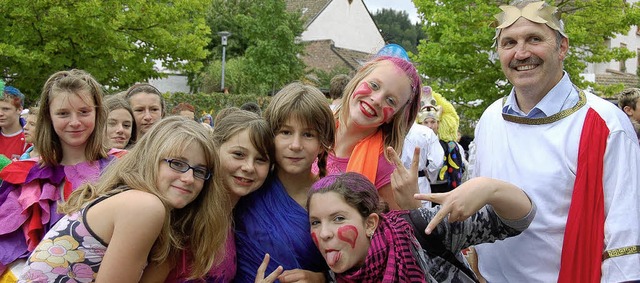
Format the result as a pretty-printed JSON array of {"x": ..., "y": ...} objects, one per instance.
[
  {"x": 363, "y": 89},
  {"x": 388, "y": 113},
  {"x": 314, "y": 238},
  {"x": 349, "y": 234}
]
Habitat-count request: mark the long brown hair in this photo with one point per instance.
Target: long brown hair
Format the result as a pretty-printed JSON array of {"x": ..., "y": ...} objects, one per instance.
[
  {"x": 115, "y": 102},
  {"x": 233, "y": 120},
  {"x": 71, "y": 82}
]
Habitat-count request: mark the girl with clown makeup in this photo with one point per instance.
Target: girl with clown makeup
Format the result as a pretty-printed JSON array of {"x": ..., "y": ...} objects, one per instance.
[{"x": 361, "y": 243}]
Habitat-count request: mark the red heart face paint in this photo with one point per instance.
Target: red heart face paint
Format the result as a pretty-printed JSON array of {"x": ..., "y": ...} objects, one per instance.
[
  {"x": 349, "y": 234},
  {"x": 363, "y": 89},
  {"x": 314, "y": 238},
  {"x": 388, "y": 113}
]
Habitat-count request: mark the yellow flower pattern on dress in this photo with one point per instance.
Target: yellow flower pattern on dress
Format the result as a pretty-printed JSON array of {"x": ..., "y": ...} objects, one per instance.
[
  {"x": 58, "y": 252},
  {"x": 69, "y": 252}
]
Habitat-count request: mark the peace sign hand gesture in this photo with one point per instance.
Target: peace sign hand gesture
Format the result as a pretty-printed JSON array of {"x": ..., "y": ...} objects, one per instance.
[
  {"x": 404, "y": 183},
  {"x": 260, "y": 274}
]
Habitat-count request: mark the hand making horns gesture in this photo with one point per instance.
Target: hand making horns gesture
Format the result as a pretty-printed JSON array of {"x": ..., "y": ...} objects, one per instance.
[{"x": 508, "y": 201}]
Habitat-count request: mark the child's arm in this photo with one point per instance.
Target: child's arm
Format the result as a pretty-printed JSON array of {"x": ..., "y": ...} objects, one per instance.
[
  {"x": 300, "y": 275},
  {"x": 507, "y": 200},
  {"x": 137, "y": 222},
  {"x": 468, "y": 220}
]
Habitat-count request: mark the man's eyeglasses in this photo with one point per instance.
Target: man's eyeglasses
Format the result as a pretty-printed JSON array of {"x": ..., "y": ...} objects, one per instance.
[{"x": 181, "y": 166}]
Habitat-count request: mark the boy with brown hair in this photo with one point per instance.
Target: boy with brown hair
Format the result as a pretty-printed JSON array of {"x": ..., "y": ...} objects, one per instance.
[{"x": 629, "y": 103}]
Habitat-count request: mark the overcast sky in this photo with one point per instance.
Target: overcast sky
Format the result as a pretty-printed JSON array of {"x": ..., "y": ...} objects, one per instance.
[{"x": 406, "y": 5}]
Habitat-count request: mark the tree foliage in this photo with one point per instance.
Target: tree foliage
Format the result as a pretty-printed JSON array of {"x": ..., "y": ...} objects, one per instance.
[
  {"x": 222, "y": 15},
  {"x": 264, "y": 35},
  {"x": 396, "y": 27},
  {"x": 235, "y": 76},
  {"x": 211, "y": 103},
  {"x": 461, "y": 63},
  {"x": 117, "y": 41},
  {"x": 323, "y": 81}
]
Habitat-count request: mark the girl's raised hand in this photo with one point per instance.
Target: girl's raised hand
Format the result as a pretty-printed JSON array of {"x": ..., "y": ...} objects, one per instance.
[
  {"x": 263, "y": 267},
  {"x": 404, "y": 183}
]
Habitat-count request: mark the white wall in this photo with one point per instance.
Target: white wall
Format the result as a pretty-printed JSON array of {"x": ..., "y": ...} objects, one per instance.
[
  {"x": 348, "y": 25},
  {"x": 172, "y": 83},
  {"x": 632, "y": 40}
]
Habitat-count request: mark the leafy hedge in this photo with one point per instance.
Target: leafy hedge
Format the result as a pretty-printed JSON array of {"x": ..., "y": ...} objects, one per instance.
[{"x": 212, "y": 102}]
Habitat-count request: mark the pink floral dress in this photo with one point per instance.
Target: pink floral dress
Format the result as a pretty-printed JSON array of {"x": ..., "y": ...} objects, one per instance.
[{"x": 69, "y": 252}]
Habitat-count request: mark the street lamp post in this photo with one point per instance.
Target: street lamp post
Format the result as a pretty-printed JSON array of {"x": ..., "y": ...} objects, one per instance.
[{"x": 223, "y": 35}]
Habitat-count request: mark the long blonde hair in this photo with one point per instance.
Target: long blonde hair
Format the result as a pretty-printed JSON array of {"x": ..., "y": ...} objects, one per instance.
[
  {"x": 202, "y": 225},
  {"x": 72, "y": 82},
  {"x": 395, "y": 131}
]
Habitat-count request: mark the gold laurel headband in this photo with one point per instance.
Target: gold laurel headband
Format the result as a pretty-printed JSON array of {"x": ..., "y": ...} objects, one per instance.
[{"x": 533, "y": 12}]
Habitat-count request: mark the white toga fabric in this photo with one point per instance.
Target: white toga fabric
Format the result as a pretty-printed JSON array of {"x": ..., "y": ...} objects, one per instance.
[
  {"x": 541, "y": 159},
  {"x": 430, "y": 151}
]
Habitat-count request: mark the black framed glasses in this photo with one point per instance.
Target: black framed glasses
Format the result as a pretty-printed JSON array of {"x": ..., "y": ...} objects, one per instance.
[{"x": 183, "y": 167}]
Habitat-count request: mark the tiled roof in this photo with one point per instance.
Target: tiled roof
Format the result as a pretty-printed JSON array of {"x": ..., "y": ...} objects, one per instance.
[
  {"x": 323, "y": 55},
  {"x": 309, "y": 9},
  {"x": 612, "y": 77},
  {"x": 353, "y": 58}
]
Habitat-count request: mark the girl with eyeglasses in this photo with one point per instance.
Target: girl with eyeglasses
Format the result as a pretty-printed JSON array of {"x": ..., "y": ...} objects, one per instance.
[
  {"x": 244, "y": 143},
  {"x": 154, "y": 205}
]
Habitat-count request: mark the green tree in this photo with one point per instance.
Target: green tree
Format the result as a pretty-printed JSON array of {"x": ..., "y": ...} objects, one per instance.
[
  {"x": 396, "y": 27},
  {"x": 236, "y": 79},
  {"x": 323, "y": 81},
  {"x": 222, "y": 15},
  {"x": 264, "y": 35},
  {"x": 462, "y": 64},
  {"x": 117, "y": 41}
]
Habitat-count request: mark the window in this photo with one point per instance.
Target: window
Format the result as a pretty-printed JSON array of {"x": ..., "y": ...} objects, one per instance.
[
  {"x": 623, "y": 65},
  {"x": 638, "y": 57}
]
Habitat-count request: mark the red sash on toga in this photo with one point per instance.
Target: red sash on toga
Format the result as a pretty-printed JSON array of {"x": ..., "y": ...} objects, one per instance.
[{"x": 584, "y": 235}]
